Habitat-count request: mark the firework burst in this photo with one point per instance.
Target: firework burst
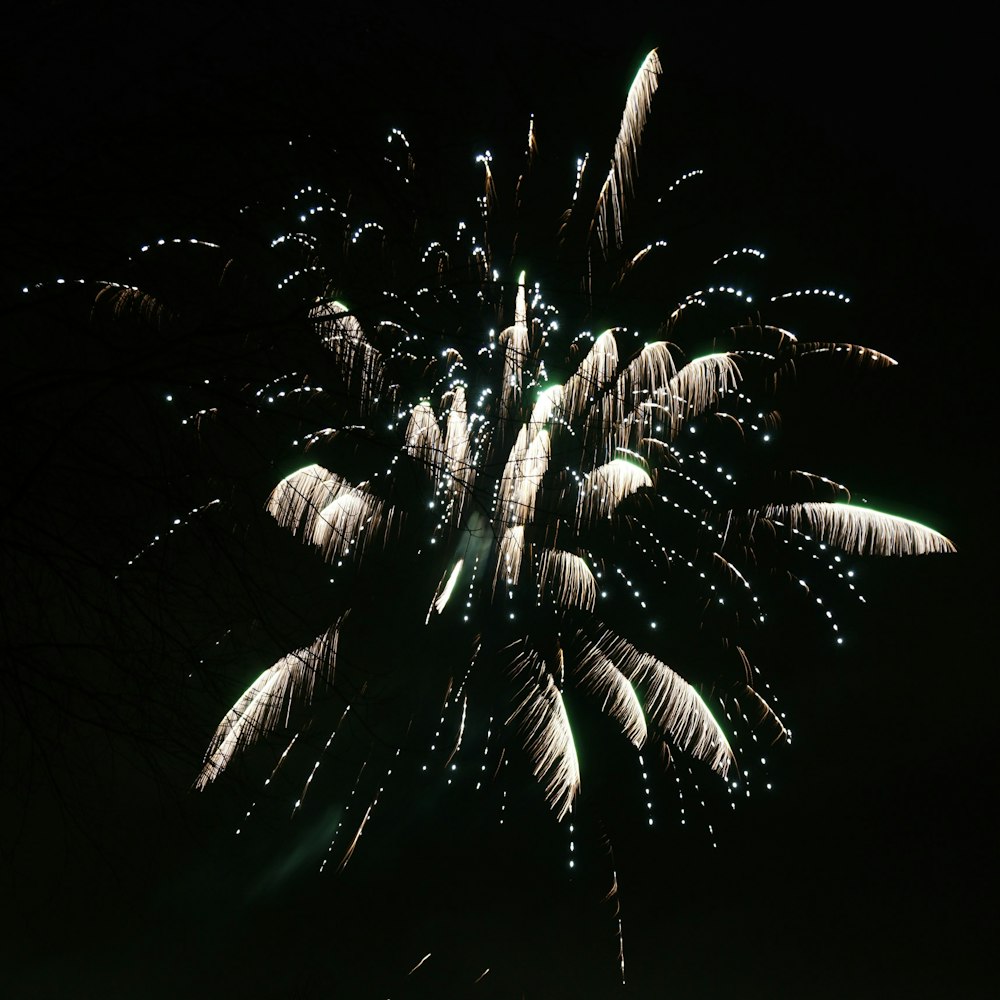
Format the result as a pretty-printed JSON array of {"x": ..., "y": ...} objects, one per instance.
[{"x": 561, "y": 519}]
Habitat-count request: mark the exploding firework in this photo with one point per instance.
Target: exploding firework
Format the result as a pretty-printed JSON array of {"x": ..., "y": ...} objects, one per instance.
[
  {"x": 533, "y": 511},
  {"x": 549, "y": 498}
]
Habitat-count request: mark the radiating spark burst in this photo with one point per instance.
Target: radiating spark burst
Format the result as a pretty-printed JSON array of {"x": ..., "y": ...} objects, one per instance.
[
  {"x": 537, "y": 492},
  {"x": 582, "y": 521}
]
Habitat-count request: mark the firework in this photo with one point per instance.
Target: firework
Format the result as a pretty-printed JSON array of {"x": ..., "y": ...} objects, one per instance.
[
  {"x": 541, "y": 522},
  {"x": 563, "y": 518}
]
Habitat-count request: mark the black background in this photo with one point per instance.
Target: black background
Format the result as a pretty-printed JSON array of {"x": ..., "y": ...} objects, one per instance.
[{"x": 854, "y": 151}]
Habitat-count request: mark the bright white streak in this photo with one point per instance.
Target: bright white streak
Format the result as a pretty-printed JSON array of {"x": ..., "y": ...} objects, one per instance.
[
  {"x": 601, "y": 677},
  {"x": 671, "y": 702},
  {"x": 263, "y": 705},
  {"x": 421, "y": 962},
  {"x": 861, "y": 530},
  {"x": 618, "y": 187},
  {"x": 442, "y": 600},
  {"x": 607, "y": 486},
  {"x": 568, "y": 579},
  {"x": 548, "y": 739}
]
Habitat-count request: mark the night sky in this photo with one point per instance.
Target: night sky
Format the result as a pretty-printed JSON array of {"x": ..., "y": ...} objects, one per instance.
[{"x": 853, "y": 152}]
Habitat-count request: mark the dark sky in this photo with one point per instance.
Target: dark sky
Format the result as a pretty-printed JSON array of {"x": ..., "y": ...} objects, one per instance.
[{"x": 854, "y": 152}]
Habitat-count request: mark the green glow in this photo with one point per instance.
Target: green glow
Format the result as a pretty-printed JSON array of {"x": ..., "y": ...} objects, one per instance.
[{"x": 632, "y": 459}]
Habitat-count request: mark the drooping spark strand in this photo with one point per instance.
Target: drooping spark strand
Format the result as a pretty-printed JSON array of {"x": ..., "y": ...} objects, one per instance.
[
  {"x": 268, "y": 700},
  {"x": 620, "y": 183},
  {"x": 861, "y": 530},
  {"x": 540, "y": 714}
]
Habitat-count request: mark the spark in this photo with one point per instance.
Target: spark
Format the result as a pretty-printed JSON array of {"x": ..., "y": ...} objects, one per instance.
[{"x": 421, "y": 962}]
